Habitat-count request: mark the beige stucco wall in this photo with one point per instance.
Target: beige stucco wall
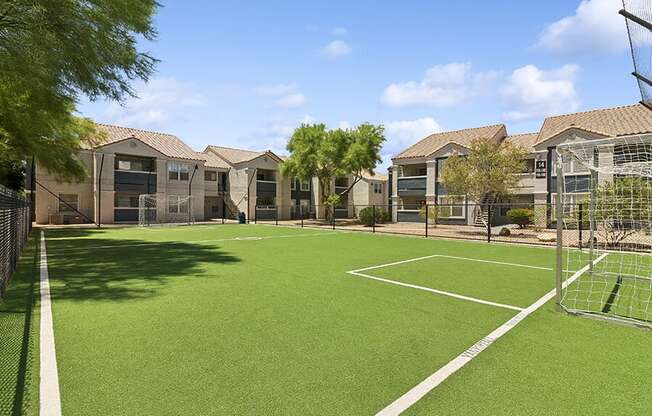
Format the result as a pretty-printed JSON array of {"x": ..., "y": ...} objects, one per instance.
[{"x": 88, "y": 190}]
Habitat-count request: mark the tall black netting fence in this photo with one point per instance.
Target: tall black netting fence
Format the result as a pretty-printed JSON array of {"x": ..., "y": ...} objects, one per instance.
[
  {"x": 638, "y": 15},
  {"x": 520, "y": 222},
  {"x": 15, "y": 226}
]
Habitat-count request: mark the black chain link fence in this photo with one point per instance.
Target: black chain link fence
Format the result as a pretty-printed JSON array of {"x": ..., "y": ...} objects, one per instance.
[{"x": 15, "y": 226}]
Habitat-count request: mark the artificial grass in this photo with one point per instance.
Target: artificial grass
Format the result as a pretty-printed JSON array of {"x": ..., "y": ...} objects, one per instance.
[
  {"x": 185, "y": 320},
  {"x": 19, "y": 337}
]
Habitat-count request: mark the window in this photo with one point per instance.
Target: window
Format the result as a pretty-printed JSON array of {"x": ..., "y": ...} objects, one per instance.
[
  {"x": 178, "y": 171},
  {"x": 210, "y": 175},
  {"x": 304, "y": 203},
  {"x": 126, "y": 201},
  {"x": 528, "y": 166},
  {"x": 293, "y": 184},
  {"x": 451, "y": 206},
  {"x": 67, "y": 201},
  {"x": 134, "y": 163},
  {"x": 378, "y": 188},
  {"x": 177, "y": 204},
  {"x": 572, "y": 165},
  {"x": 305, "y": 185},
  {"x": 422, "y": 172}
]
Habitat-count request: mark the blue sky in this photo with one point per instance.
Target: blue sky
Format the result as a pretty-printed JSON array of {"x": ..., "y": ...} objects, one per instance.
[{"x": 246, "y": 74}]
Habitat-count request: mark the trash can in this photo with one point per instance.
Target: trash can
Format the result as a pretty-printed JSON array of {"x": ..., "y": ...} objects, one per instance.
[{"x": 242, "y": 218}]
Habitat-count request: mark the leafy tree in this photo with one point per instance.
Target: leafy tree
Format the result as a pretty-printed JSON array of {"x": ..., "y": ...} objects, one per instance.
[
  {"x": 51, "y": 54},
  {"x": 489, "y": 169},
  {"x": 316, "y": 152},
  {"x": 622, "y": 207}
]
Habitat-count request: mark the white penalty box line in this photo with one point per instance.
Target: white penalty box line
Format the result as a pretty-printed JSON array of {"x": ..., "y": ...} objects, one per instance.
[
  {"x": 358, "y": 272},
  {"x": 420, "y": 390}
]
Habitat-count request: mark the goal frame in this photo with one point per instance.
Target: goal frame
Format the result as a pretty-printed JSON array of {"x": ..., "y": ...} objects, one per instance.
[
  {"x": 160, "y": 204},
  {"x": 645, "y": 171}
]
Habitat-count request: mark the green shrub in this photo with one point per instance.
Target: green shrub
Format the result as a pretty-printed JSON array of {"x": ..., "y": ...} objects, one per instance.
[
  {"x": 433, "y": 214},
  {"x": 521, "y": 216},
  {"x": 366, "y": 216},
  {"x": 504, "y": 232}
]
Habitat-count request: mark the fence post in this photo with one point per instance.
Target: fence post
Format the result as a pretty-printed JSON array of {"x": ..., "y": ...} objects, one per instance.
[
  {"x": 426, "y": 234},
  {"x": 488, "y": 223},
  {"x": 301, "y": 214},
  {"x": 276, "y": 214},
  {"x": 373, "y": 222}
]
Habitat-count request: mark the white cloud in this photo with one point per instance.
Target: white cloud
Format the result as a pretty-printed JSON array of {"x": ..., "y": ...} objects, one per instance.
[
  {"x": 344, "y": 125},
  {"x": 161, "y": 100},
  {"x": 286, "y": 95},
  {"x": 337, "y": 49},
  {"x": 442, "y": 86},
  {"x": 291, "y": 101},
  {"x": 404, "y": 133},
  {"x": 531, "y": 92},
  {"x": 339, "y": 31},
  {"x": 596, "y": 26}
]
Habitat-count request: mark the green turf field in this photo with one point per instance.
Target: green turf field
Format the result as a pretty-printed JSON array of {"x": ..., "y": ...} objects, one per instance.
[{"x": 263, "y": 320}]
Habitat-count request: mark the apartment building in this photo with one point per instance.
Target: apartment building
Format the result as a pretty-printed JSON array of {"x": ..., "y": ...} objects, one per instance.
[
  {"x": 416, "y": 171},
  {"x": 255, "y": 184},
  {"x": 125, "y": 164}
]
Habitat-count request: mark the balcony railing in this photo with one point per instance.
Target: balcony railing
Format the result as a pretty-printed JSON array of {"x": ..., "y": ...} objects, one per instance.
[
  {"x": 265, "y": 188},
  {"x": 411, "y": 185}
]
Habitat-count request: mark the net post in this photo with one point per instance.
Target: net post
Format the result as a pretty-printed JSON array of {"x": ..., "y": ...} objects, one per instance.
[
  {"x": 301, "y": 214},
  {"x": 560, "y": 233},
  {"x": 579, "y": 225},
  {"x": 592, "y": 220},
  {"x": 373, "y": 221},
  {"x": 276, "y": 218}
]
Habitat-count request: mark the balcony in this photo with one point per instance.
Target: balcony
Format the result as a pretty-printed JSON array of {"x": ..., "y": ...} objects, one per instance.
[
  {"x": 265, "y": 189},
  {"x": 411, "y": 186},
  {"x": 136, "y": 182}
]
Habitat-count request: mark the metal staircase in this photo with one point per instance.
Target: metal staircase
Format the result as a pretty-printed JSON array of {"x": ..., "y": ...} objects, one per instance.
[{"x": 481, "y": 213}]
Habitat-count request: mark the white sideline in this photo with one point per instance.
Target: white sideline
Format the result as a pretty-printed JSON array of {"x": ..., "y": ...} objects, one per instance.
[
  {"x": 416, "y": 393},
  {"x": 50, "y": 401},
  {"x": 439, "y": 292}
]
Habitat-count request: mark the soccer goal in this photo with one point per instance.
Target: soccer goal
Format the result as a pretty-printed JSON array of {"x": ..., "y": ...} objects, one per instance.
[
  {"x": 154, "y": 209},
  {"x": 603, "y": 210}
]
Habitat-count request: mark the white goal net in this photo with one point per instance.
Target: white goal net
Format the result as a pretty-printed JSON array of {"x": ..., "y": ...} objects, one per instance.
[
  {"x": 156, "y": 209},
  {"x": 605, "y": 220}
]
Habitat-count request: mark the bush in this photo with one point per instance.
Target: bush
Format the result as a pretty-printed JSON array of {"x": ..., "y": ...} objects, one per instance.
[
  {"x": 433, "y": 214},
  {"x": 366, "y": 216},
  {"x": 521, "y": 216},
  {"x": 504, "y": 232}
]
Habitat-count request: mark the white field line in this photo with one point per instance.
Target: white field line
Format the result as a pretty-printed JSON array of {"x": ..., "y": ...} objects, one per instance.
[
  {"x": 427, "y": 385},
  {"x": 439, "y": 292},
  {"x": 50, "y": 401},
  {"x": 502, "y": 263},
  {"x": 243, "y": 238}
]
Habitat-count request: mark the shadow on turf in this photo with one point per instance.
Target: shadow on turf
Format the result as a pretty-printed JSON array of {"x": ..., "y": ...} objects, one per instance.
[
  {"x": 102, "y": 269},
  {"x": 17, "y": 349}
]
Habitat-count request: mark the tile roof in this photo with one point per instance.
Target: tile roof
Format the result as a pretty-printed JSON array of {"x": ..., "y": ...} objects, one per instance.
[
  {"x": 436, "y": 141},
  {"x": 168, "y": 144},
  {"x": 212, "y": 161},
  {"x": 611, "y": 122},
  {"x": 376, "y": 176},
  {"x": 236, "y": 156},
  {"x": 526, "y": 140}
]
